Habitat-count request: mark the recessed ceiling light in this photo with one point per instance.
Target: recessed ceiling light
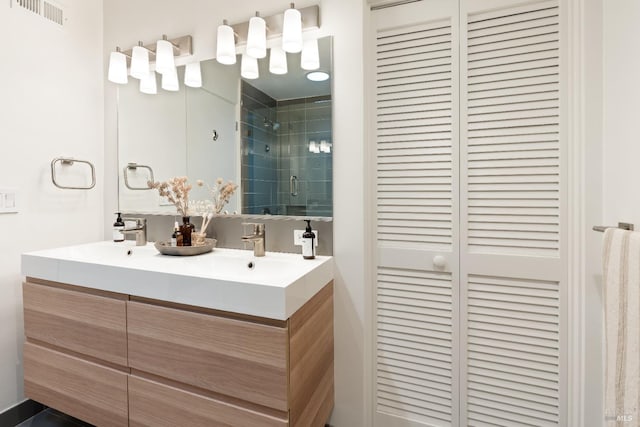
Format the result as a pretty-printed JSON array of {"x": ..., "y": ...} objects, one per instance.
[{"x": 318, "y": 76}]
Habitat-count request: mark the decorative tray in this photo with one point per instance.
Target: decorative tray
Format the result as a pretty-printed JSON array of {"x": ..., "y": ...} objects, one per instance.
[{"x": 165, "y": 248}]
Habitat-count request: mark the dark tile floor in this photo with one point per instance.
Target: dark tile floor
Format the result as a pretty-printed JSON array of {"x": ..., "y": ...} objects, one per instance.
[{"x": 52, "y": 418}]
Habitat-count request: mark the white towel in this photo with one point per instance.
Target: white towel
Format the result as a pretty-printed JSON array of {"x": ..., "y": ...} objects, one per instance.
[{"x": 621, "y": 271}]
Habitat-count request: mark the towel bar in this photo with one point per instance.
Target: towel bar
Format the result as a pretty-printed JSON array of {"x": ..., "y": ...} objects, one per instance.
[
  {"x": 134, "y": 166},
  {"x": 621, "y": 225},
  {"x": 69, "y": 162}
]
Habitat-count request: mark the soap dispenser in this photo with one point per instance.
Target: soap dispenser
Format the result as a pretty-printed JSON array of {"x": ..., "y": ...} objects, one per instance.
[
  {"x": 308, "y": 242},
  {"x": 118, "y": 227}
]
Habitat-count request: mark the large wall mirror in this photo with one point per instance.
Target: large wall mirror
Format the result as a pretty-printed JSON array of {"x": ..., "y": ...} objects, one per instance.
[{"x": 271, "y": 135}]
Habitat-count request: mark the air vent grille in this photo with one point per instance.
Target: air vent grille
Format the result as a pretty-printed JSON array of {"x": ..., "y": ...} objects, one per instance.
[
  {"x": 45, "y": 9},
  {"x": 53, "y": 13}
]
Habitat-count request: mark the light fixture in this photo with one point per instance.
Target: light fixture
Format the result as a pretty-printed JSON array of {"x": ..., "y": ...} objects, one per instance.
[
  {"x": 193, "y": 75},
  {"x": 226, "y": 44},
  {"x": 257, "y": 37},
  {"x": 139, "y": 61},
  {"x": 318, "y": 76},
  {"x": 118, "y": 67},
  {"x": 310, "y": 57},
  {"x": 292, "y": 30},
  {"x": 148, "y": 84},
  {"x": 170, "y": 81},
  {"x": 314, "y": 147},
  {"x": 277, "y": 61},
  {"x": 165, "y": 62},
  {"x": 325, "y": 147},
  {"x": 249, "y": 67}
]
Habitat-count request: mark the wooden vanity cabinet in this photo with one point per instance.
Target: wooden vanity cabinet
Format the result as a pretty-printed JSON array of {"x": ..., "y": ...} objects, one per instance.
[
  {"x": 117, "y": 360},
  {"x": 75, "y": 354}
]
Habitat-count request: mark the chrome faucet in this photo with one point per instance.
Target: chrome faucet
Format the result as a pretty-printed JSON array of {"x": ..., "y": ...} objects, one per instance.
[
  {"x": 257, "y": 238},
  {"x": 140, "y": 230}
]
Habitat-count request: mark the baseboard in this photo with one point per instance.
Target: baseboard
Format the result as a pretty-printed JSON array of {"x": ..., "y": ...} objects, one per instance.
[{"x": 20, "y": 412}]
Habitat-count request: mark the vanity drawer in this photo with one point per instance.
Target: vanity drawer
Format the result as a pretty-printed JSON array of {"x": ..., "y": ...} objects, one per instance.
[
  {"x": 83, "y": 389},
  {"x": 85, "y": 323},
  {"x": 158, "y": 405},
  {"x": 236, "y": 358}
]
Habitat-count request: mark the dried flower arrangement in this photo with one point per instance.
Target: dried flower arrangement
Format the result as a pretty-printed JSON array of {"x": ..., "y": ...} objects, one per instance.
[
  {"x": 176, "y": 190},
  {"x": 220, "y": 193}
]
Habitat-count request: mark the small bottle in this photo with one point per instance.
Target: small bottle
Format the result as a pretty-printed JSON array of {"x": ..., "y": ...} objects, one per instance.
[
  {"x": 308, "y": 242},
  {"x": 174, "y": 236},
  {"x": 118, "y": 226},
  {"x": 179, "y": 236}
]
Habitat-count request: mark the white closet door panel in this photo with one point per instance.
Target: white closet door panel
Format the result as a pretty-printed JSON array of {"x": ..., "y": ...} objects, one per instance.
[
  {"x": 511, "y": 191},
  {"x": 416, "y": 215}
]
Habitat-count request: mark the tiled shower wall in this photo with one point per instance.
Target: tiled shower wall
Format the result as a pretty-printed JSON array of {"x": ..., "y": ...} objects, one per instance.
[
  {"x": 280, "y": 175},
  {"x": 259, "y": 152},
  {"x": 305, "y": 122}
]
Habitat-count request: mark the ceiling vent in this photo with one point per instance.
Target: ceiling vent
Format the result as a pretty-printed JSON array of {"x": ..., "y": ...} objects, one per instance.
[{"x": 43, "y": 8}]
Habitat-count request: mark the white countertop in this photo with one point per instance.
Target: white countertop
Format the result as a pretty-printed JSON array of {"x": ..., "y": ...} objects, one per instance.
[{"x": 276, "y": 287}]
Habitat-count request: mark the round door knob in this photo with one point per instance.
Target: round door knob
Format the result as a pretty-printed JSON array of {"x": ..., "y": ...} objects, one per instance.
[{"x": 439, "y": 261}]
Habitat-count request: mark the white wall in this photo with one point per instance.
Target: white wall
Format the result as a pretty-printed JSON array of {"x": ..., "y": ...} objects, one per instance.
[
  {"x": 51, "y": 105},
  {"x": 127, "y": 22},
  {"x": 621, "y": 111}
]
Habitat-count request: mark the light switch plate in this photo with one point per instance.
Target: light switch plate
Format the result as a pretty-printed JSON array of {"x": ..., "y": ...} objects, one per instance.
[
  {"x": 297, "y": 237},
  {"x": 8, "y": 200}
]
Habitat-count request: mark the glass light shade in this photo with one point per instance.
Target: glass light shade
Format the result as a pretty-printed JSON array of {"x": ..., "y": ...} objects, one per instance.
[
  {"x": 226, "y": 45},
  {"x": 292, "y": 31},
  {"x": 165, "y": 62},
  {"x": 170, "y": 81},
  {"x": 257, "y": 38},
  {"x": 249, "y": 67},
  {"x": 310, "y": 58},
  {"x": 148, "y": 84},
  {"x": 277, "y": 61},
  {"x": 193, "y": 75},
  {"x": 139, "y": 62},
  {"x": 313, "y": 147},
  {"x": 325, "y": 147},
  {"x": 118, "y": 68}
]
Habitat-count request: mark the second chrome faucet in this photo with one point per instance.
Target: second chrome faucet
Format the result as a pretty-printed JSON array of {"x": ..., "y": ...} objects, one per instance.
[{"x": 257, "y": 238}]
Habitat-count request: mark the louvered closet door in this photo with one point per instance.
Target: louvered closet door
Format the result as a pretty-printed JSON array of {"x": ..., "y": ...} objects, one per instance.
[
  {"x": 512, "y": 248},
  {"x": 470, "y": 169},
  {"x": 417, "y": 215}
]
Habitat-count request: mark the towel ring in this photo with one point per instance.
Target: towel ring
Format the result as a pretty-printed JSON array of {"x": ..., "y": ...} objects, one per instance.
[{"x": 68, "y": 161}]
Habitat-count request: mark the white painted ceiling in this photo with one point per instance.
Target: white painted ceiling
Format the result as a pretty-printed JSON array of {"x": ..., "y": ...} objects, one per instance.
[{"x": 294, "y": 84}]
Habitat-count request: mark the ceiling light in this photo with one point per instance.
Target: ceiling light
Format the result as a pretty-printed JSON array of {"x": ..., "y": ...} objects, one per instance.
[
  {"x": 257, "y": 37},
  {"x": 193, "y": 75},
  {"x": 226, "y": 45},
  {"x": 277, "y": 61},
  {"x": 249, "y": 67},
  {"x": 148, "y": 84},
  {"x": 139, "y": 62},
  {"x": 310, "y": 58},
  {"x": 165, "y": 63},
  {"x": 318, "y": 76},
  {"x": 118, "y": 67},
  {"x": 292, "y": 30},
  {"x": 170, "y": 81}
]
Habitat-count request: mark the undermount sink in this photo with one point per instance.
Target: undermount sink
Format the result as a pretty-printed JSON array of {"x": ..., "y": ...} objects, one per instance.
[{"x": 273, "y": 286}]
